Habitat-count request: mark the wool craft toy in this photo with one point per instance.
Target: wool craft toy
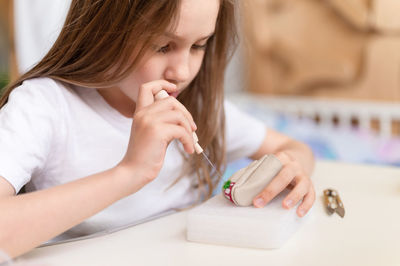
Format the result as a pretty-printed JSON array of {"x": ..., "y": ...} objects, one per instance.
[{"x": 248, "y": 182}]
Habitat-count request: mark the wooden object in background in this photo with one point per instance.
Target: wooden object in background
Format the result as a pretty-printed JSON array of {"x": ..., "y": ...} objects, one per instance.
[
  {"x": 14, "y": 73},
  {"x": 7, "y": 17},
  {"x": 385, "y": 15},
  {"x": 380, "y": 74},
  {"x": 355, "y": 11},
  {"x": 320, "y": 48},
  {"x": 380, "y": 15}
]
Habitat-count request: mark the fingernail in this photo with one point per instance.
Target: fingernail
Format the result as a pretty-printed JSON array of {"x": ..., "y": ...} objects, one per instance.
[
  {"x": 289, "y": 203},
  {"x": 259, "y": 202},
  {"x": 302, "y": 213}
]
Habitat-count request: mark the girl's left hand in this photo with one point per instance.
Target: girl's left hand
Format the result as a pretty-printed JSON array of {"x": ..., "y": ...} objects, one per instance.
[{"x": 292, "y": 176}]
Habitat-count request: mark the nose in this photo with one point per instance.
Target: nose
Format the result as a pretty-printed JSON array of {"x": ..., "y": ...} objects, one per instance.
[{"x": 178, "y": 68}]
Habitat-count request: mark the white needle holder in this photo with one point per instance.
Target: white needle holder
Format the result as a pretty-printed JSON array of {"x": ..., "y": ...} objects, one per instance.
[{"x": 163, "y": 94}]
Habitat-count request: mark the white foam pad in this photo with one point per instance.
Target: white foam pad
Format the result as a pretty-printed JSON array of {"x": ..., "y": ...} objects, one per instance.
[{"x": 219, "y": 221}]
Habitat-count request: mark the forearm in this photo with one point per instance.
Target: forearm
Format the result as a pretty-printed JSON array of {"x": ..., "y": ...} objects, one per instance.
[
  {"x": 276, "y": 142},
  {"x": 30, "y": 219},
  {"x": 301, "y": 152}
]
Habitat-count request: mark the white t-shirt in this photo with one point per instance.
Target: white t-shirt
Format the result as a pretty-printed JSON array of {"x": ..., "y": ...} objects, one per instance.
[{"x": 51, "y": 134}]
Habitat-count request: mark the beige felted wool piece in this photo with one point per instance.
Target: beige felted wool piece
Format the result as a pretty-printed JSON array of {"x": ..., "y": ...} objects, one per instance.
[{"x": 248, "y": 182}]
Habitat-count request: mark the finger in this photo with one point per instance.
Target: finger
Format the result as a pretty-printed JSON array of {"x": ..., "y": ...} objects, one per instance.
[
  {"x": 171, "y": 103},
  {"x": 148, "y": 90},
  {"x": 279, "y": 183},
  {"x": 307, "y": 203},
  {"x": 283, "y": 157},
  {"x": 171, "y": 132},
  {"x": 173, "y": 117},
  {"x": 301, "y": 188}
]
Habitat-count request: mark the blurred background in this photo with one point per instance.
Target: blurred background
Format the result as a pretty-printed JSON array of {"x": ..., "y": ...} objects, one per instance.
[
  {"x": 326, "y": 72},
  {"x": 5, "y": 43}
]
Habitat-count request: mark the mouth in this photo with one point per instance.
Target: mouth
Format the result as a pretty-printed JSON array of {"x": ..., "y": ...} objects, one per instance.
[{"x": 174, "y": 94}]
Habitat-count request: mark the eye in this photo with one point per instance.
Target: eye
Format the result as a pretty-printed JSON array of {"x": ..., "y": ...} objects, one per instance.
[
  {"x": 203, "y": 46},
  {"x": 199, "y": 47},
  {"x": 164, "y": 49}
]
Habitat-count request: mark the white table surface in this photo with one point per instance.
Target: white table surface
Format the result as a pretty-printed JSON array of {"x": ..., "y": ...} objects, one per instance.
[{"x": 369, "y": 234}]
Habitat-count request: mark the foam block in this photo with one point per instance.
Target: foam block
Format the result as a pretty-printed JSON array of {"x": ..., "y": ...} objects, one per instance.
[{"x": 218, "y": 221}]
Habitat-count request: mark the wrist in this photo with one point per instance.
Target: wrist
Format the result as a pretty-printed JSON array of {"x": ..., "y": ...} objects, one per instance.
[{"x": 129, "y": 177}]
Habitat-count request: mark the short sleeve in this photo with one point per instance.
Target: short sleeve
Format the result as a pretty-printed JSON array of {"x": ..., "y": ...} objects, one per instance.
[
  {"x": 27, "y": 124},
  {"x": 244, "y": 133}
]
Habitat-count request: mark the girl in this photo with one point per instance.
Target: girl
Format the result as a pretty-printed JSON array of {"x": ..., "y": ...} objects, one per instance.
[{"x": 94, "y": 150}]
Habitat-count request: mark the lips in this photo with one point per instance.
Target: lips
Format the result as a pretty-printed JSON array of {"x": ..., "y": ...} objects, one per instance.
[{"x": 174, "y": 94}]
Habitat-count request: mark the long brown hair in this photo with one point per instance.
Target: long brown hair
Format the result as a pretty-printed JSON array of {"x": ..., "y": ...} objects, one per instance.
[{"x": 98, "y": 36}]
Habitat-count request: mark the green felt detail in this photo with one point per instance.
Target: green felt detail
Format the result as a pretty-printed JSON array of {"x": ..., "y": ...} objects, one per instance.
[{"x": 227, "y": 184}]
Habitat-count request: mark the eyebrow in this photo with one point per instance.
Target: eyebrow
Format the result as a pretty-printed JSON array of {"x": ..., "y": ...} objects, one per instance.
[{"x": 173, "y": 36}]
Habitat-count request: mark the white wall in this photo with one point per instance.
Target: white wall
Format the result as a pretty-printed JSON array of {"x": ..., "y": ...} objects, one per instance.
[{"x": 37, "y": 25}]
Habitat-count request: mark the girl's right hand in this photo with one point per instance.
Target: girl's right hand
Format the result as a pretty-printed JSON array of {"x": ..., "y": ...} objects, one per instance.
[{"x": 155, "y": 125}]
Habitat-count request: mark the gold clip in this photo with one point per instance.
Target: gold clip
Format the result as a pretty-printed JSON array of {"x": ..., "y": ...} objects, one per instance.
[{"x": 333, "y": 202}]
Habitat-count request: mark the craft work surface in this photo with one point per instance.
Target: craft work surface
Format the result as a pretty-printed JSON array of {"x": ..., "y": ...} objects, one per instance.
[
  {"x": 219, "y": 222},
  {"x": 367, "y": 235}
]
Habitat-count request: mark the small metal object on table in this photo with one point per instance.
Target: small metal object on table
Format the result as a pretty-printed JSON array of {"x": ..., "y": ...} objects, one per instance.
[{"x": 333, "y": 202}]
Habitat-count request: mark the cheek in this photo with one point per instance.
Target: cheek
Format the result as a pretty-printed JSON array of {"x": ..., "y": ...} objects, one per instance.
[
  {"x": 130, "y": 87},
  {"x": 146, "y": 73},
  {"x": 152, "y": 70},
  {"x": 196, "y": 65}
]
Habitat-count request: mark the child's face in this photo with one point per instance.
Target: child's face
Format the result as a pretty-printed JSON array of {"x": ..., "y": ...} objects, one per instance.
[{"x": 177, "y": 55}]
